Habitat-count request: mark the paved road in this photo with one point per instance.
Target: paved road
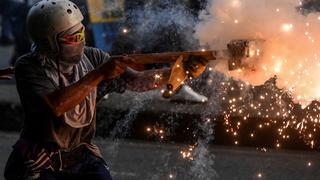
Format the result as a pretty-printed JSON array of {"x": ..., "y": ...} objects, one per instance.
[
  {"x": 5, "y": 53},
  {"x": 134, "y": 160}
]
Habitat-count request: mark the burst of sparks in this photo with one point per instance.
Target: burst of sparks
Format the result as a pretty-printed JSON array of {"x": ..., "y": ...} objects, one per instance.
[
  {"x": 275, "y": 111},
  {"x": 157, "y": 79},
  {"x": 272, "y": 107},
  {"x": 156, "y": 131},
  {"x": 187, "y": 153}
]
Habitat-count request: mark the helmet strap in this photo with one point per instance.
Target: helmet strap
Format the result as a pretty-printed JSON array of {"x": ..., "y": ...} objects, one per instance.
[{"x": 57, "y": 59}]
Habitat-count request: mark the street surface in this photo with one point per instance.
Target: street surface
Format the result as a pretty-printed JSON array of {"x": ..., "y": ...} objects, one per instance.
[{"x": 135, "y": 160}]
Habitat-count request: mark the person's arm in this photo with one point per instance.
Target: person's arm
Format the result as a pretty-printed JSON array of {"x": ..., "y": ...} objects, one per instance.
[
  {"x": 152, "y": 79},
  {"x": 6, "y": 73},
  {"x": 64, "y": 99}
]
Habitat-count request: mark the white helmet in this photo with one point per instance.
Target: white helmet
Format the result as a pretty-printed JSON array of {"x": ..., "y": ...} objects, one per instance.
[{"x": 47, "y": 18}]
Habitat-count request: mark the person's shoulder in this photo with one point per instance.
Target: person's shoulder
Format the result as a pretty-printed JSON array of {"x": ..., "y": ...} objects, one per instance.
[
  {"x": 27, "y": 62},
  {"x": 27, "y": 59}
]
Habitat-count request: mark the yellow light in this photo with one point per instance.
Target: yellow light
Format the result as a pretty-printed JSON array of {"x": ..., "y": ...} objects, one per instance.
[
  {"x": 287, "y": 27},
  {"x": 125, "y": 30},
  {"x": 277, "y": 67},
  {"x": 235, "y": 3},
  {"x": 157, "y": 76},
  {"x": 251, "y": 53}
]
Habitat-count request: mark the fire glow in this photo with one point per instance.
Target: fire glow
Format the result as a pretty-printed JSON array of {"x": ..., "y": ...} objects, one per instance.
[{"x": 290, "y": 54}]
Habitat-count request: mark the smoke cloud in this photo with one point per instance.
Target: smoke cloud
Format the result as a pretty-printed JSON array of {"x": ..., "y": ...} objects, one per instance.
[
  {"x": 167, "y": 25},
  {"x": 291, "y": 41}
]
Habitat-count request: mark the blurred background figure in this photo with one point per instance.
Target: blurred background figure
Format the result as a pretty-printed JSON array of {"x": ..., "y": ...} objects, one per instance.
[
  {"x": 6, "y": 35},
  {"x": 13, "y": 30}
]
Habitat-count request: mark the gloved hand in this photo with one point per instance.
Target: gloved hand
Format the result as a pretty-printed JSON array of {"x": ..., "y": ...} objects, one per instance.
[
  {"x": 6, "y": 73},
  {"x": 195, "y": 65}
]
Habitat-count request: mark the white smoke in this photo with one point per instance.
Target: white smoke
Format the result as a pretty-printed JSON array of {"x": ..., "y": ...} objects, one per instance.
[
  {"x": 165, "y": 25},
  {"x": 291, "y": 46}
]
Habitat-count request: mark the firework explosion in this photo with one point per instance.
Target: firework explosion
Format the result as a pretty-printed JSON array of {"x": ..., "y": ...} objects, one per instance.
[
  {"x": 282, "y": 88},
  {"x": 291, "y": 42},
  {"x": 286, "y": 101}
]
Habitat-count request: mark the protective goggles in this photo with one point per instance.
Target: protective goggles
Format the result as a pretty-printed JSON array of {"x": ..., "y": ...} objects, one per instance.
[{"x": 74, "y": 38}]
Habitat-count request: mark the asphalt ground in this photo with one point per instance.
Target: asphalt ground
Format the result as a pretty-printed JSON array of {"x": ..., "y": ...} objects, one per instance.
[
  {"x": 138, "y": 160},
  {"x": 5, "y": 53}
]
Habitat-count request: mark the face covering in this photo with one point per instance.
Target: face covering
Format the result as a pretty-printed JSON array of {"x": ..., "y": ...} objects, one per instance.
[
  {"x": 71, "y": 54},
  {"x": 71, "y": 43}
]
